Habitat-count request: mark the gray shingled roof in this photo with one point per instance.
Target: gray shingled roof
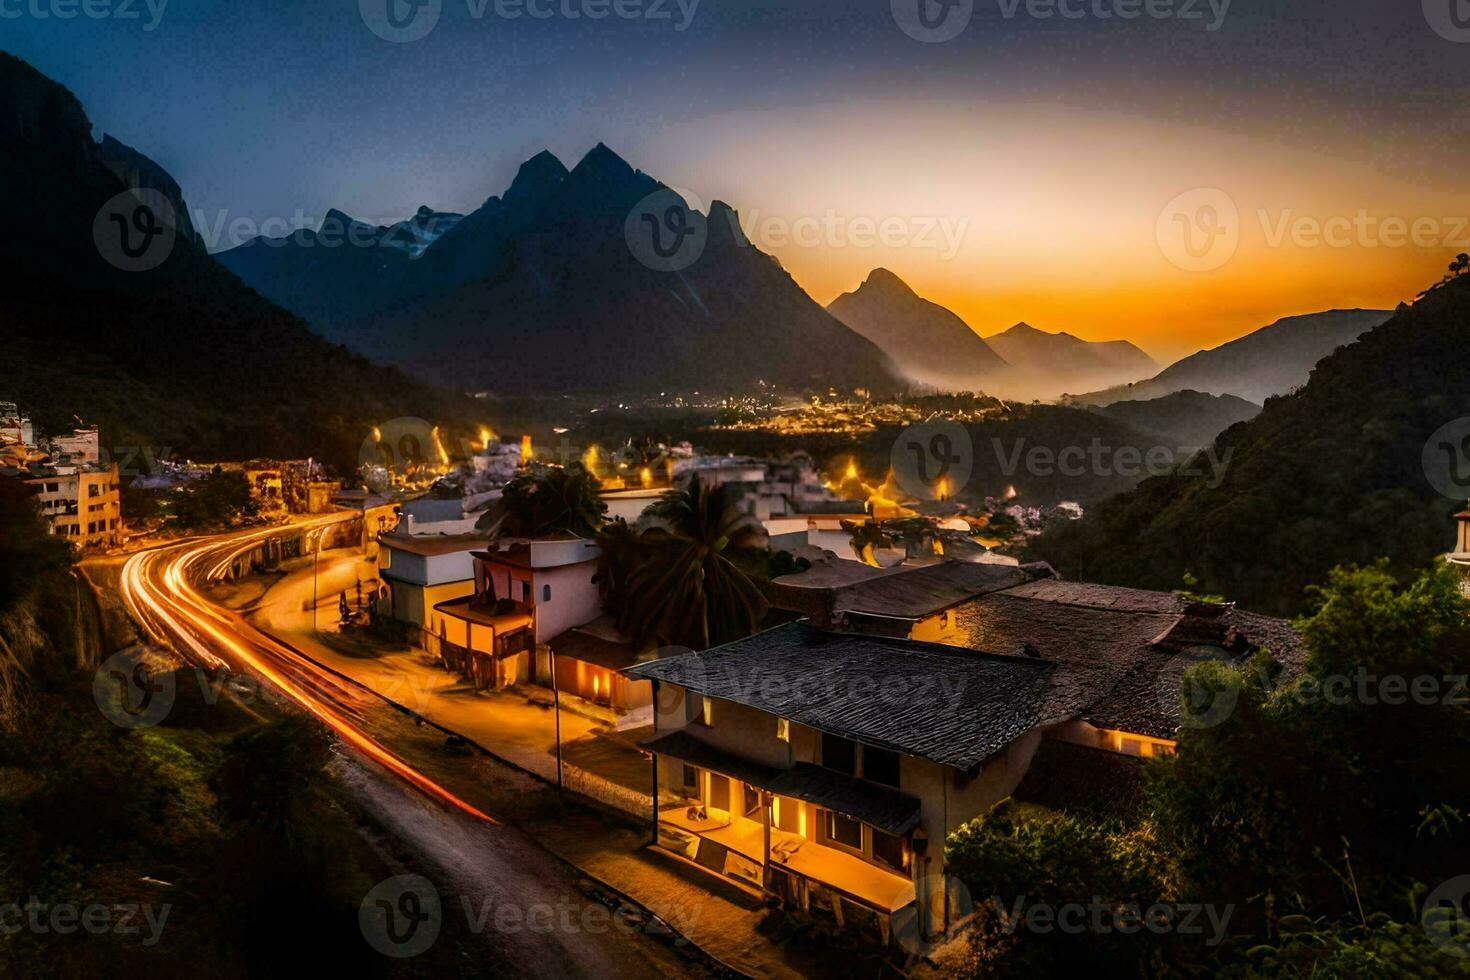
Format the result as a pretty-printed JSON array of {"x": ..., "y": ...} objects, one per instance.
[
  {"x": 906, "y": 592},
  {"x": 1120, "y": 652},
  {"x": 947, "y": 704}
]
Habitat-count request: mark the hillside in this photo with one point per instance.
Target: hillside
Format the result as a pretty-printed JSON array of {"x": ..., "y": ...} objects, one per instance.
[
  {"x": 1329, "y": 475},
  {"x": 1049, "y": 364},
  {"x": 1270, "y": 361},
  {"x": 554, "y": 287},
  {"x": 928, "y": 343},
  {"x": 180, "y": 355},
  {"x": 1190, "y": 418}
]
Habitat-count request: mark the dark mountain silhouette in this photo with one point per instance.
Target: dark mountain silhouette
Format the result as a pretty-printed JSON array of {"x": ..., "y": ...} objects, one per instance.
[
  {"x": 1270, "y": 361},
  {"x": 928, "y": 343},
  {"x": 1048, "y": 364},
  {"x": 1334, "y": 473},
  {"x": 552, "y": 287},
  {"x": 1188, "y": 418},
  {"x": 180, "y": 355}
]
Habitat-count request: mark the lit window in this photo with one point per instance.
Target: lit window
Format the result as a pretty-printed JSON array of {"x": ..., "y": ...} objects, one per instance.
[
  {"x": 783, "y": 729},
  {"x": 707, "y": 714}
]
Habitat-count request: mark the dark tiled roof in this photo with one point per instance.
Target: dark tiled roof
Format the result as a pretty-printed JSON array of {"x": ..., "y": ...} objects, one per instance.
[
  {"x": 1120, "y": 652},
  {"x": 947, "y": 704},
  {"x": 430, "y": 545},
  {"x": 907, "y": 592},
  {"x": 881, "y": 806},
  {"x": 596, "y": 643},
  {"x": 685, "y": 747},
  {"x": 1067, "y": 776}
]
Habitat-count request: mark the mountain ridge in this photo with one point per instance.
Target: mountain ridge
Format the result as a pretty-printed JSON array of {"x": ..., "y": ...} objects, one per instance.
[
  {"x": 1268, "y": 361},
  {"x": 550, "y": 285}
]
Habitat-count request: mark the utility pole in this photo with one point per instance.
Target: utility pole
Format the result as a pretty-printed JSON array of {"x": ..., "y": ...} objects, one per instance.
[{"x": 315, "y": 560}]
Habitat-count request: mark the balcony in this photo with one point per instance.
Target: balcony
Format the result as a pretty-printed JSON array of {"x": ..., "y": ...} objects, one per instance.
[{"x": 485, "y": 639}]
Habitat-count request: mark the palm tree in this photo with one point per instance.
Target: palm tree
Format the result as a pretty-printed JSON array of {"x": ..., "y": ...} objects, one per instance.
[
  {"x": 547, "y": 501},
  {"x": 685, "y": 584}
]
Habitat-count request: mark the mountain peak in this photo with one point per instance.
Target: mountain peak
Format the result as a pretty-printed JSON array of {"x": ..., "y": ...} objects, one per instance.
[
  {"x": 537, "y": 175},
  {"x": 887, "y": 282},
  {"x": 603, "y": 162}
]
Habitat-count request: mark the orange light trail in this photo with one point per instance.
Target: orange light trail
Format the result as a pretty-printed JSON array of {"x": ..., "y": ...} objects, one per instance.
[{"x": 157, "y": 589}]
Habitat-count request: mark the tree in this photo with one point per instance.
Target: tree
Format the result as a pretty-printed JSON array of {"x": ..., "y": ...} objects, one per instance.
[
  {"x": 547, "y": 501},
  {"x": 684, "y": 578},
  {"x": 1339, "y": 792}
]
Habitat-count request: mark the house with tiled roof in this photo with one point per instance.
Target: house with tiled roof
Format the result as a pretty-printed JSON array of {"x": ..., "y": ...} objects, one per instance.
[
  {"x": 825, "y": 761},
  {"x": 826, "y": 769}
]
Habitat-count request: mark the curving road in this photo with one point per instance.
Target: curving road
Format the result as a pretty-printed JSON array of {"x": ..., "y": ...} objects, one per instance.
[
  {"x": 476, "y": 863},
  {"x": 158, "y": 588}
]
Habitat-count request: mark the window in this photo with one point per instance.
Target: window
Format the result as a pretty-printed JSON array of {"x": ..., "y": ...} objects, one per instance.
[
  {"x": 719, "y": 792},
  {"x": 93, "y": 490},
  {"x": 844, "y": 830},
  {"x": 752, "y": 801},
  {"x": 888, "y": 850},
  {"x": 839, "y": 754},
  {"x": 545, "y": 593},
  {"x": 880, "y": 765},
  {"x": 783, "y": 729},
  {"x": 691, "y": 778},
  {"x": 525, "y": 591}
]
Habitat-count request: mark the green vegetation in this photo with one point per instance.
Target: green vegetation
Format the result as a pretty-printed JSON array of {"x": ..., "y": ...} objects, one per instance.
[
  {"x": 217, "y": 833},
  {"x": 1321, "y": 811},
  {"x": 687, "y": 579},
  {"x": 547, "y": 501},
  {"x": 1330, "y": 475}
]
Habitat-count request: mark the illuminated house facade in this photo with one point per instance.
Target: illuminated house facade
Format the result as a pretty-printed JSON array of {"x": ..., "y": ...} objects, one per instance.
[
  {"x": 524, "y": 595},
  {"x": 825, "y": 761},
  {"x": 81, "y": 503},
  {"x": 1460, "y": 557},
  {"x": 418, "y": 572},
  {"x": 827, "y": 769}
]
